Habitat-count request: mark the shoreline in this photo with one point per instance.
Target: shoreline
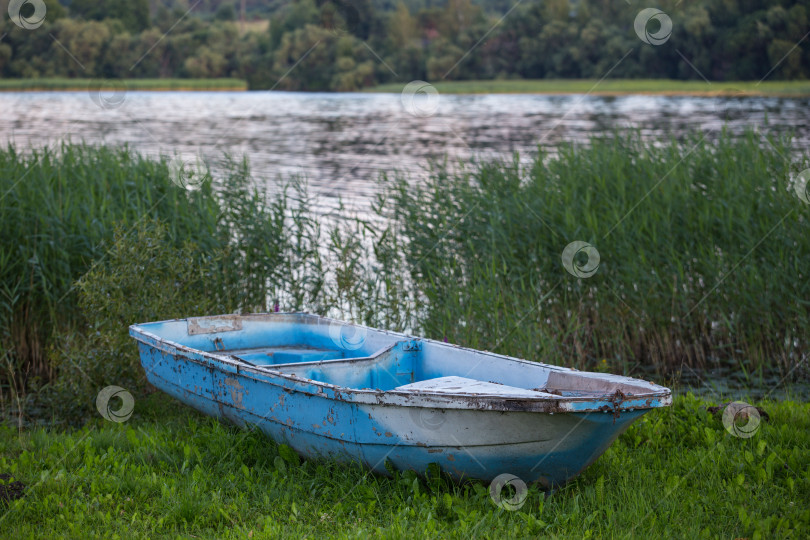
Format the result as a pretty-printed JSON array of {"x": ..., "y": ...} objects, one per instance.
[
  {"x": 616, "y": 88},
  {"x": 116, "y": 85},
  {"x": 548, "y": 87},
  {"x": 79, "y": 89}
]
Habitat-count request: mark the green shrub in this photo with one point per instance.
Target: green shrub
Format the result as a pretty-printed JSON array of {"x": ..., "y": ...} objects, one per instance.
[
  {"x": 57, "y": 209},
  {"x": 142, "y": 277},
  {"x": 117, "y": 262}
]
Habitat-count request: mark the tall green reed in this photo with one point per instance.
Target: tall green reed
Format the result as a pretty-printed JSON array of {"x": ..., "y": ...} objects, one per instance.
[
  {"x": 111, "y": 240},
  {"x": 703, "y": 252},
  {"x": 703, "y": 255},
  {"x": 58, "y": 207}
]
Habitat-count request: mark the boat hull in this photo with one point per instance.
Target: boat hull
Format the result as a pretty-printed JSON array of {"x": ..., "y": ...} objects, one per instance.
[{"x": 538, "y": 447}]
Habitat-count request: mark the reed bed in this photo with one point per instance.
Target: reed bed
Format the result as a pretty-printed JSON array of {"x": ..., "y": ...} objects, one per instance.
[
  {"x": 59, "y": 207},
  {"x": 703, "y": 255}
]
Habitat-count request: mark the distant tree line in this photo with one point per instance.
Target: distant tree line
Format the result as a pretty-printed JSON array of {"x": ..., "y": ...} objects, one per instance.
[{"x": 350, "y": 44}]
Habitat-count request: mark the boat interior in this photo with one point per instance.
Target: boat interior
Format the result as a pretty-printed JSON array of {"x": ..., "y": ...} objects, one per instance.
[{"x": 356, "y": 357}]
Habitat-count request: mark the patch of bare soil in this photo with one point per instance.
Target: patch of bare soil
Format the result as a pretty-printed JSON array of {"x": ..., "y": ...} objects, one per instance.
[{"x": 10, "y": 489}]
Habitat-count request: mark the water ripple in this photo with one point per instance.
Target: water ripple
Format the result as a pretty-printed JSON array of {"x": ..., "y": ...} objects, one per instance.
[{"x": 342, "y": 142}]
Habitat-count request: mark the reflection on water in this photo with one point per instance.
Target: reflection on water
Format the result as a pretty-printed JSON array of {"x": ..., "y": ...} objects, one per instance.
[{"x": 342, "y": 142}]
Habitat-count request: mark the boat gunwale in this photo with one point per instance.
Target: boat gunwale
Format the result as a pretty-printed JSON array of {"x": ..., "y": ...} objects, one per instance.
[{"x": 213, "y": 360}]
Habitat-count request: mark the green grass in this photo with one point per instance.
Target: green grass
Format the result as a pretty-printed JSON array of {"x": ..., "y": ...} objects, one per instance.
[
  {"x": 616, "y": 87},
  {"x": 170, "y": 472},
  {"x": 65, "y": 84}
]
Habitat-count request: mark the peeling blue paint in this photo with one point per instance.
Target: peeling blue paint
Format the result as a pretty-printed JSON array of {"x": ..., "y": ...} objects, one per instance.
[{"x": 386, "y": 396}]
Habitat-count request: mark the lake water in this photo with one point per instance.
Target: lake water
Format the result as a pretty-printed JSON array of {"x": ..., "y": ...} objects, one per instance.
[{"x": 342, "y": 142}]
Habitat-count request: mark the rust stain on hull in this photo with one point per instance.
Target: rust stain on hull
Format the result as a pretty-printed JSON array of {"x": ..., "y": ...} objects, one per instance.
[{"x": 236, "y": 390}]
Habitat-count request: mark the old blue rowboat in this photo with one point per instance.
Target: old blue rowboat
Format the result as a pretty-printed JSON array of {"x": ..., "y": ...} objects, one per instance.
[{"x": 336, "y": 390}]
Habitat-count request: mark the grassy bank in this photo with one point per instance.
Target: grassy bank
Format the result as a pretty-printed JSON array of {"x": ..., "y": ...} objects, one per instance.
[
  {"x": 617, "y": 87},
  {"x": 169, "y": 471},
  {"x": 64, "y": 84}
]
